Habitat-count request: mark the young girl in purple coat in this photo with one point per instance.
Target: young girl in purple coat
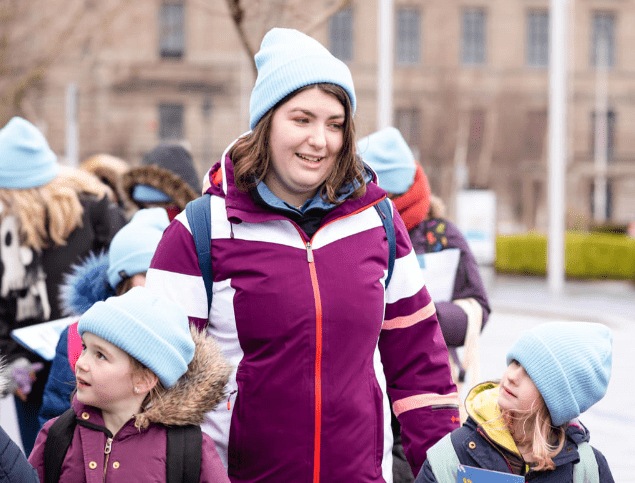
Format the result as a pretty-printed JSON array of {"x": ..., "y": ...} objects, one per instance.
[{"x": 141, "y": 369}]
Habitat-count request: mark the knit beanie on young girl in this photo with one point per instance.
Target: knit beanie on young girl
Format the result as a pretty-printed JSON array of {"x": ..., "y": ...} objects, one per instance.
[
  {"x": 26, "y": 160},
  {"x": 153, "y": 330},
  {"x": 133, "y": 246},
  {"x": 288, "y": 60},
  {"x": 570, "y": 364},
  {"x": 388, "y": 153}
]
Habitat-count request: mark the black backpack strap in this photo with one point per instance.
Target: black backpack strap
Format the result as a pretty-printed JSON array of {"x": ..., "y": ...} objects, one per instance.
[
  {"x": 57, "y": 442},
  {"x": 200, "y": 221},
  {"x": 183, "y": 457},
  {"x": 384, "y": 209}
]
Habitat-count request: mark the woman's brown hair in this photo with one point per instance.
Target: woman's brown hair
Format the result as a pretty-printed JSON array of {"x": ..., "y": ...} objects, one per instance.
[{"x": 251, "y": 154}]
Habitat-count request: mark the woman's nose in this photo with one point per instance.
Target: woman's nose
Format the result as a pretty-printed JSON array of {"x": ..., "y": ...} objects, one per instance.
[{"x": 317, "y": 138}]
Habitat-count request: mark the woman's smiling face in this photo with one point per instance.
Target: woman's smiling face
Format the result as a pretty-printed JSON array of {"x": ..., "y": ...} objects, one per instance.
[{"x": 306, "y": 138}]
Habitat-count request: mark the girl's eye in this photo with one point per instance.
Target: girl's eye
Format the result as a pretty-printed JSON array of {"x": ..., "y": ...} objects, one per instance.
[
  {"x": 100, "y": 355},
  {"x": 83, "y": 347}
]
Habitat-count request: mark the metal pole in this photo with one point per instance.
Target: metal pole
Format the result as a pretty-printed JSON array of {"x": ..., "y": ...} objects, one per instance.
[
  {"x": 601, "y": 131},
  {"x": 72, "y": 131},
  {"x": 385, "y": 42},
  {"x": 557, "y": 143}
]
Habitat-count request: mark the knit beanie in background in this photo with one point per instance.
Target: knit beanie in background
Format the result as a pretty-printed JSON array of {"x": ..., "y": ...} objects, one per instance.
[
  {"x": 176, "y": 159},
  {"x": 26, "y": 160},
  {"x": 389, "y": 155},
  {"x": 569, "y": 362},
  {"x": 288, "y": 60},
  {"x": 133, "y": 246},
  {"x": 154, "y": 331}
]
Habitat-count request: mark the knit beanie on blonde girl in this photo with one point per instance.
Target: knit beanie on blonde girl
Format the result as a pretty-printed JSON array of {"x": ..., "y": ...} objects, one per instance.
[
  {"x": 570, "y": 364},
  {"x": 288, "y": 60}
]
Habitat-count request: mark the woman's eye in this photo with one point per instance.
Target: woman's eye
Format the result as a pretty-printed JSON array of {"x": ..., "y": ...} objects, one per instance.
[
  {"x": 337, "y": 126},
  {"x": 100, "y": 355},
  {"x": 302, "y": 120}
]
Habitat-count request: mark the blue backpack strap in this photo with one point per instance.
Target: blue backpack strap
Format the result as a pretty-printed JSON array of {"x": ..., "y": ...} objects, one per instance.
[
  {"x": 384, "y": 209},
  {"x": 586, "y": 470},
  {"x": 200, "y": 220},
  {"x": 443, "y": 460}
]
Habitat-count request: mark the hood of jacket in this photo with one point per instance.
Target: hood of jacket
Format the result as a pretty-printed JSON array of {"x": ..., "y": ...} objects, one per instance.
[
  {"x": 482, "y": 408},
  {"x": 196, "y": 393}
]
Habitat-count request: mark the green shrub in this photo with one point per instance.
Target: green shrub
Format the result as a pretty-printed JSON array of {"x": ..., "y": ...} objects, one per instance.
[{"x": 587, "y": 255}]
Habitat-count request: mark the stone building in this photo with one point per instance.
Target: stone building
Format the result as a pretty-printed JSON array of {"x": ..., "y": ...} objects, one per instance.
[{"x": 470, "y": 84}]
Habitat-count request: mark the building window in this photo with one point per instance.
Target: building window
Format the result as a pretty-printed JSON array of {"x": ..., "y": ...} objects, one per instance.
[
  {"x": 408, "y": 38},
  {"x": 171, "y": 31},
  {"x": 603, "y": 41},
  {"x": 538, "y": 38},
  {"x": 610, "y": 134},
  {"x": 473, "y": 36},
  {"x": 170, "y": 121},
  {"x": 407, "y": 120},
  {"x": 341, "y": 34}
]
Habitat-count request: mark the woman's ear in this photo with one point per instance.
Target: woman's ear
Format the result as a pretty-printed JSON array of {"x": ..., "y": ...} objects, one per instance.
[{"x": 144, "y": 381}]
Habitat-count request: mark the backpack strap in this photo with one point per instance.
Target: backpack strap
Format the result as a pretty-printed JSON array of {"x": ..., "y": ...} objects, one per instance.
[
  {"x": 586, "y": 470},
  {"x": 183, "y": 457},
  {"x": 443, "y": 460},
  {"x": 200, "y": 220},
  {"x": 384, "y": 209},
  {"x": 56, "y": 446}
]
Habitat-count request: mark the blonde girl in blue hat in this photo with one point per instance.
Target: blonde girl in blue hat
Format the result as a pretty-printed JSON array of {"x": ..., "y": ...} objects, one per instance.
[
  {"x": 527, "y": 424},
  {"x": 141, "y": 371}
]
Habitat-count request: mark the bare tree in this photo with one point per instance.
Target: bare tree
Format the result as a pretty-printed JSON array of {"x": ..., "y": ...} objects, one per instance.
[{"x": 253, "y": 18}]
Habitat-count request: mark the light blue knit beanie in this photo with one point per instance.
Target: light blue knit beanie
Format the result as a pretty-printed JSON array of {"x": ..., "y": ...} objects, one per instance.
[
  {"x": 388, "y": 153},
  {"x": 153, "y": 330},
  {"x": 570, "y": 364},
  {"x": 26, "y": 160},
  {"x": 133, "y": 246},
  {"x": 288, "y": 60}
]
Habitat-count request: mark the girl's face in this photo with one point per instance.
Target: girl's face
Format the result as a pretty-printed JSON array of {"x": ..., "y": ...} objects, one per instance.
[
  {"x": 517, "y": 391},
  {"x": 105, "y": 376},
  {"x": 306, "y": 136}
]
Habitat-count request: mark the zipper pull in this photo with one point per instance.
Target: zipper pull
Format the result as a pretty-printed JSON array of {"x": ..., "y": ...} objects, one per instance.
[
  {"x": 108, "y": 446},
  {"x": 309, "y": 252}
]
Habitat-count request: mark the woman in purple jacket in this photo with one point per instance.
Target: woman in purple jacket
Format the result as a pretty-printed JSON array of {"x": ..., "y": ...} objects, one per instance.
[
  {"x": 300, "y": 306},
  {"x": 388, "y": 154},
  {"x": 141, "y": 369}
]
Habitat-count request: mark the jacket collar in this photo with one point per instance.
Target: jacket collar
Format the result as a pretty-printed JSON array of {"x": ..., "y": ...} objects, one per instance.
[{"x": 241, "y": 207}]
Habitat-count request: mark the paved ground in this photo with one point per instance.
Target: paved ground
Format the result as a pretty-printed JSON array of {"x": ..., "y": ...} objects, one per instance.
[{"x": 520, "y": 303}]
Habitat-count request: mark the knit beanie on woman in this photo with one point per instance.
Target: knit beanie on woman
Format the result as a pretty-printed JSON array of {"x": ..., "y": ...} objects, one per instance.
[
  {"x": 26, "y": 160},
  {"x": 388, "y": 153},
  {"x": 288, "y": 60},
  {"x": 153, "y": 330},
  {"x": 570, "y": 364}
]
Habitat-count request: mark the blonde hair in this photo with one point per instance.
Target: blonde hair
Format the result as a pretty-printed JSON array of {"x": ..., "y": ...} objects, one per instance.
[
  {"x": 535, "y": 426},
  {"x": 48, "y": 214}
]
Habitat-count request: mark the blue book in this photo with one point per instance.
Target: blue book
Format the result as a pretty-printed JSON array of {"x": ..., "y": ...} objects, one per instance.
[{"x": 470, "y": 474}]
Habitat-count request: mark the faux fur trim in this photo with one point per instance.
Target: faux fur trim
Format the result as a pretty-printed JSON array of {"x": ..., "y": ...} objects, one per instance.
[
  {"x": 196, "y": 393},
  {"x": 107, "y": 168},
  {"x": 162, "y": 179}
]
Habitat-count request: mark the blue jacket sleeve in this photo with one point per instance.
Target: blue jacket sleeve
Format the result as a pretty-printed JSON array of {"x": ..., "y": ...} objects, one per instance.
[
  {"x": 14, "y": 466},
  {"x": 59, "y": 385}
]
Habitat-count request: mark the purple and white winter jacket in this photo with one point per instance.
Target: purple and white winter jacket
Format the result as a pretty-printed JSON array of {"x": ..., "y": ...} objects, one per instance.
[{"x": 302, "y": 321}]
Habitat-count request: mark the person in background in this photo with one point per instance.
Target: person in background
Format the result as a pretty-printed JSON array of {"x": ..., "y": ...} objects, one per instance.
[
  {"x": 527, "y": 424},
  {"x": 50, "y": 217},
  {"x": 98, "y": 277},
  {"x": 142, "y": 371},
  {"x": 166, "y": 178},
  {"x": 388, "y": 154},
  {"x": 301, "y": 308}
]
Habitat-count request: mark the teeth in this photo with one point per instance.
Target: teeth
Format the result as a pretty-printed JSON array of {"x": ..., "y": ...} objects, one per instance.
[{"x": 312, "y": 159}]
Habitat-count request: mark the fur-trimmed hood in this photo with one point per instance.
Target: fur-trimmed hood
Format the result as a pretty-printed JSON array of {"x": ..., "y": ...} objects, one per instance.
[
  {"x": 168, "y": 168},
  {"x": 196, "y": 393}
]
